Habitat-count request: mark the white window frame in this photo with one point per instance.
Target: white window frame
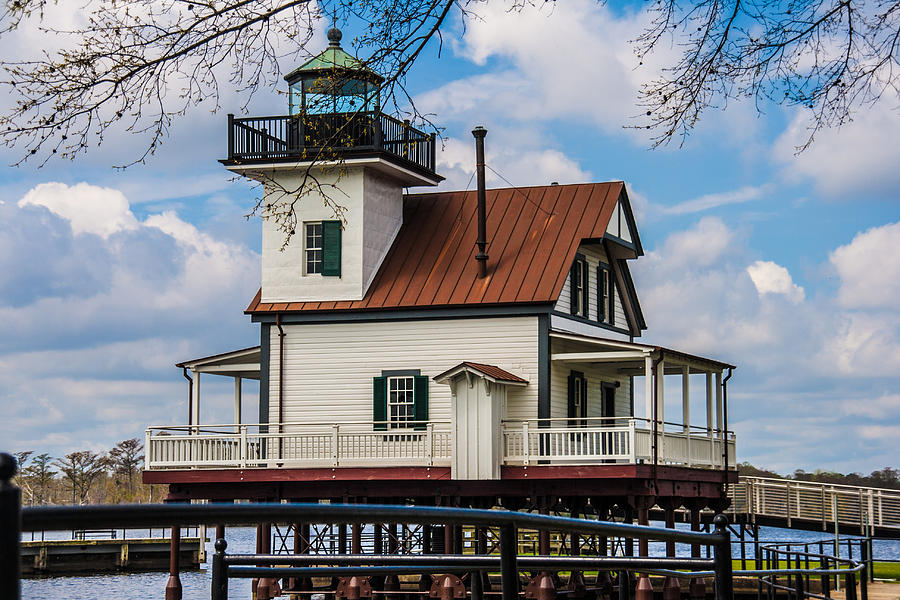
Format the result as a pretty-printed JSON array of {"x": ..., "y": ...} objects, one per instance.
[
  {"x": 581, "y": 292},
  {"x": 408, "y": 404},
  {"x": 307, "y": 248}
]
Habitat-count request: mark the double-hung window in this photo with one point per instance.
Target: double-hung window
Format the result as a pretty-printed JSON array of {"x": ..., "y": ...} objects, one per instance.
[
  {"x": 313, "y": 248},
  {"x": 579, "y": 287},
  {"x": 400, "y": 400},
  {"x": 322, "y": 247},
  {"x": 606, "y": 293}
]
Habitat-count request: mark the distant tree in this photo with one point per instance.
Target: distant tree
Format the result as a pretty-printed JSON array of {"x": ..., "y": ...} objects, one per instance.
[
  {"x": 125, "y": 459},
  {"x": 748, "y": 470},
  {"x": 81, "y": 469},
  {"x": 21, "y": 477},
  {"x": 40, "y": 476}
]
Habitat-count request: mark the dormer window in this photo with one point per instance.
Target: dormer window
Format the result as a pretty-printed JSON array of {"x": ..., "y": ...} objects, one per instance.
[
  {"x": 606, "y": 287},
  {"x": 322, "y": 248},
  {"x": 579, "y": 283}
]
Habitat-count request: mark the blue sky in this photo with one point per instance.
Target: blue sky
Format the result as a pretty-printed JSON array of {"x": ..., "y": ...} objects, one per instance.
[{"x": 785, "y": 265}]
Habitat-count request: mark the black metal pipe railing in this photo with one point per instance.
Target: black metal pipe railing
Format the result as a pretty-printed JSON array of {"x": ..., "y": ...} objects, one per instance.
[{"x": 326, "y": 137}]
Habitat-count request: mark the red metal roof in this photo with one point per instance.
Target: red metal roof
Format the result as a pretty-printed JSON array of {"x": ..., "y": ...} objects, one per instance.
[
  {"x": 495, "y": 372},
  {"x": 533, "y": 234}
]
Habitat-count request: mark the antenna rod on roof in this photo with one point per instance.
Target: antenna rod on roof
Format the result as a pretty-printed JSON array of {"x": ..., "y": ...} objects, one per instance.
[{"x": 479, "y": 133}]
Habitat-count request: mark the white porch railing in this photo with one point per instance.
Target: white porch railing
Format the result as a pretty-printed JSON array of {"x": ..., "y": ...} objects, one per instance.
[
  {"x": 624, "y": 440},
  {"x": 296, "y": 445}
]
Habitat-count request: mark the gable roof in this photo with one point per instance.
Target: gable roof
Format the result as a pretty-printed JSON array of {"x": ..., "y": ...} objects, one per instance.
[
  {"x": 533, "y": 234},
  {"x": 492, "y": 373}
]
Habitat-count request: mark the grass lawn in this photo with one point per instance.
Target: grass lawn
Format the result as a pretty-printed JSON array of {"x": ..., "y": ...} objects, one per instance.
[{"x": 883, "y": 570}]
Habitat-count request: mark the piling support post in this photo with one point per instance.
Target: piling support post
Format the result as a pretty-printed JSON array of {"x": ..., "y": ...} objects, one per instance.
[
  {"x": 10, "y": 529},
  {"x": 173, "y": 585}
]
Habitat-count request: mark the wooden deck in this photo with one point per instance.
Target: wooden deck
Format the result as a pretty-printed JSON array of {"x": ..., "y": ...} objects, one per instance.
[{"x": 54, "y": 557}]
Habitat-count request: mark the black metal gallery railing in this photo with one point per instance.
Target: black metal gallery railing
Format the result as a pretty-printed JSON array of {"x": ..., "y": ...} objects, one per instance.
[
  {"x": 806, "y": 567},
  {"x": 325, "y": 137}
]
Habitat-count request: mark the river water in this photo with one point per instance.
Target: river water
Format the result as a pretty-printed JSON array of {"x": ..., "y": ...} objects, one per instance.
[{"x": 141, "y": 586}]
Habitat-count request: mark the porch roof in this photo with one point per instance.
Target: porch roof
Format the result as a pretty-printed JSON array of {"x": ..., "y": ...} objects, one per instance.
[
  {"x": 492, "y": 373},
  {"x": 623, "y": 352},
  {"x": 237, "y": 363}
]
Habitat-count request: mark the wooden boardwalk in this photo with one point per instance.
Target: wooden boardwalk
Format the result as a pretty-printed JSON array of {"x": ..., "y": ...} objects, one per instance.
[
  {"x": 877, "y": 591},
  {"x": 816, "y": 506}
]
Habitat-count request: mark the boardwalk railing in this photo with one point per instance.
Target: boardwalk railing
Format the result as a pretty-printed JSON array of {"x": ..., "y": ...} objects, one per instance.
[
  {"x": 625, "y": 440},
  {"x": 296, "y": 445},
  {"x": 324, "y": 137},
  {"x": 809, "y": 501}
]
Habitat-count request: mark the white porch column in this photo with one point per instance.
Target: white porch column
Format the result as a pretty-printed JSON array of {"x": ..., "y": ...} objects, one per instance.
[
  {"x": 660, "y": 392},
  {"x": 660, "y": 410},
  {"x": 686, "y": 398},
  {"x": 648, "y": 387},
  {"x": 719, "y": 424},
  {"x": 709, "y": 404},
  {"x": 237, "y": 403},
  {"x": 195, "y": 418}
]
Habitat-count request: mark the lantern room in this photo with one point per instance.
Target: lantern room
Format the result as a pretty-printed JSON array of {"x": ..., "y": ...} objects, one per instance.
[{"x": 334, "y": 82}]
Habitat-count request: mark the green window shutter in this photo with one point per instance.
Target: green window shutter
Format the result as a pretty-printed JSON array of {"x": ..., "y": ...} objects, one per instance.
[
  {"x": 420, "y": 397},
  {"x": 331, "y": 248},
  {"x": 379, "y": 403}
]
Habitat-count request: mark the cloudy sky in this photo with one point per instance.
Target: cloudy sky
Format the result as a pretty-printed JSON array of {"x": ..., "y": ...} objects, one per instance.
[{"x": 785, "y": 265}]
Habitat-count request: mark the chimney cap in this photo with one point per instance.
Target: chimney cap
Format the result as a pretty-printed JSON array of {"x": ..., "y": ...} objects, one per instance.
[{"x": 479, "y": 131}]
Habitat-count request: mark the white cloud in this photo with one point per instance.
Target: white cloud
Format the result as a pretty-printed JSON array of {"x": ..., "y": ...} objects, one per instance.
[
  {"x": 708, "y": 201},
  {"x": 88, "y": 209},
  {"x": 701, "y": 245},
  {"x": 869, "y": 268},
  {"x": 513, "y": 159},
  {"x": 771, "y": 278},
  {"x": 94, "y": 323},
  {"x": 859, "y": 158}
]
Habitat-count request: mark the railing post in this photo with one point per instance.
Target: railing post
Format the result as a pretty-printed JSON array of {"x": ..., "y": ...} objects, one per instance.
[
  {"x": 433, "y": 164},
  {"x": 230, "y": 136},
  {"x": 10, "y": 529},
  {"x": 244, "y": 450},
  {"x": 335, "y": 430},
  {"x": 219, "y": 583},
  {"x": 147, "y": 449},
  {"x": 526, "y": 444},
  {"x": 722, "y": 556},
  {"x": 429, "y": 444},
  {"x": 509, "y": 572},
  {"x": 378, "y": 134},
  {"x": 406, "y": 148},
  {"x": 632, "y": 441}
]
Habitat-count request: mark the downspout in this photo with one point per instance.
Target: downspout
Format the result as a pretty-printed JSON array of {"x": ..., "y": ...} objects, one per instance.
[
  {"x": 184, "y": 372},
  {"x": 280, "y": 381},
  {"x": 655, "y": 417},
  {"x": 725, "y": 419}
]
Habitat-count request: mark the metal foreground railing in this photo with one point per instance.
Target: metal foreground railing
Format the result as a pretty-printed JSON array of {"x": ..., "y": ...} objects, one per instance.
[{"x": 354, "y": 567}]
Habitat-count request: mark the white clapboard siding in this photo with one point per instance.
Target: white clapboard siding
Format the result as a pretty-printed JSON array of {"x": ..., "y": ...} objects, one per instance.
[
  {"x": 594, "y": 256},
  {"x": 595, "y": 375},
  {"x": 329, "y": 367}
]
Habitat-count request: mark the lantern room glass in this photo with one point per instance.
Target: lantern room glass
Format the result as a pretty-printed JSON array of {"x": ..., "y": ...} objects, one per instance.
[{"x": 332, "y": 95}]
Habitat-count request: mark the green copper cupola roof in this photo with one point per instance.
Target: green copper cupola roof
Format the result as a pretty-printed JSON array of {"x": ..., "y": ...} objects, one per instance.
[{"x": 331, "y": 61}]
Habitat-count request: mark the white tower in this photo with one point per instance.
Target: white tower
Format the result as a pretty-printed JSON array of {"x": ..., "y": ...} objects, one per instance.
[{"x": 342, "y": 164}]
